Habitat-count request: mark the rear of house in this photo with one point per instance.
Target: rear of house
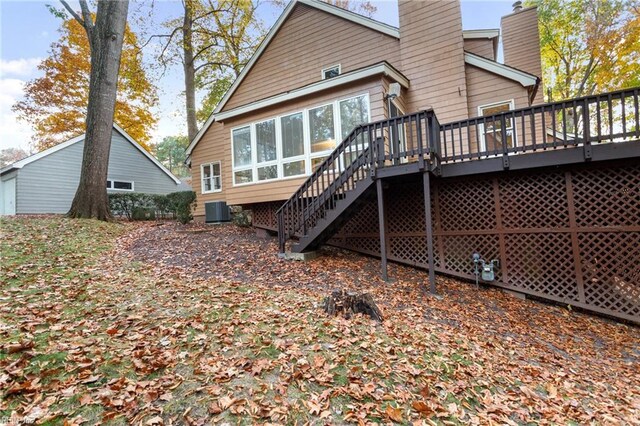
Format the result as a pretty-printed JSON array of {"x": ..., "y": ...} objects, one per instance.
[
  {"x": 46, "y": 182},
  {"x": 413, "y": 144},
  {"x": 321, "y": 71}
]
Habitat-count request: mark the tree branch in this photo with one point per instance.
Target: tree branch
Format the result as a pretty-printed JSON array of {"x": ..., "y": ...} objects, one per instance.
[
  {"x": 73, "y": 13},
  {"x": 206, "y": 64},
  {"x": 86, "y": 14},
  {"x": 201, "y": 51}
]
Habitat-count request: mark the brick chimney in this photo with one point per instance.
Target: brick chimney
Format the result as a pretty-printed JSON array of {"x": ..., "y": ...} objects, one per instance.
[
  {"x": 432, "y": 55},
  {"x": 521, "y": 42}
]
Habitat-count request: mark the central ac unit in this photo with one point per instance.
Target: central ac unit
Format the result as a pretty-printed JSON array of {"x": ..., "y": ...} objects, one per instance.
[{"x": 216, "y": 211}]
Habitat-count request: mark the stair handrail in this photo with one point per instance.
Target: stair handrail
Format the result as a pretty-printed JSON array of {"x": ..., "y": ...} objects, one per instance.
[{"x": 369, "y": 147}]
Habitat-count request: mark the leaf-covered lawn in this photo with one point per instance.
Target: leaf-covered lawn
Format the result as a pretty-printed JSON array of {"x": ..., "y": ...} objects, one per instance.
[{"x": 135, "y": 323}]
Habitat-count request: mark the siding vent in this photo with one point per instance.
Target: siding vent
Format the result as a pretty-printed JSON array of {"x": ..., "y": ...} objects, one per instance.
[{"x": 216, "y": 211}]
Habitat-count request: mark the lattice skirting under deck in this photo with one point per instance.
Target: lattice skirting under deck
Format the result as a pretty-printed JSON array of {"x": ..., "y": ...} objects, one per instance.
[
  {"x": 568, "y": 235},
  {"x": 571, "y": 236}
]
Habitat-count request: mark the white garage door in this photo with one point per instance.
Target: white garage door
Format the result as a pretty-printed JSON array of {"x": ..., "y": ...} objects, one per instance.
[{"x": 8, "y": 194}]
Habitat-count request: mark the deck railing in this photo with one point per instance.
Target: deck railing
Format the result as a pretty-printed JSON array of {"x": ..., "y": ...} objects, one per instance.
[
  {"x": 368, "y": 147},
  {"x": 603, "y": 118},
  {"x": 418, "y": 137}
]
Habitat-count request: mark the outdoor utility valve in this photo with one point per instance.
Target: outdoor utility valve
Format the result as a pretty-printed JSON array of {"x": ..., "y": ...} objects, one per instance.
[{"x": 484, "y": 268}]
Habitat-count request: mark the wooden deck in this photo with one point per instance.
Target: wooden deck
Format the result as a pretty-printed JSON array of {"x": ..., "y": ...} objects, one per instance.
[{"x": 580, "y": 134}]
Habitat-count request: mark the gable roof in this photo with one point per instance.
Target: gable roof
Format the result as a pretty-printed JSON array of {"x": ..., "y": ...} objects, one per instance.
[
  {"x": 524, "y": 78},
  {"x": 320, "y": 5},
  {"x": 21, "y": 163}
]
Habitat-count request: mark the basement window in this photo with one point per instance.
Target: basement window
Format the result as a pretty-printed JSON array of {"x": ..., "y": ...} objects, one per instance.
[
  {"x": 331, "y": 72},
  {"x": 119, "y": 185}
]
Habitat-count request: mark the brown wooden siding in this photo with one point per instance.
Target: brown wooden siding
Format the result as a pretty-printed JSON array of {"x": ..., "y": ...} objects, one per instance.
[
  {"x": 484, "y": 87},
  {"x": 433, "y": 57},
  {"x": 481, "y": 47},
  {"x": 216, "y": 145},
  {"x": 521, "y": 43},
  {"x": 307, "y": 42}
]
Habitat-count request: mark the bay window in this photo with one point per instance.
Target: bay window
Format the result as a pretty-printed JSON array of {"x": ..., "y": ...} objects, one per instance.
[
  {"x": 353, "y": 112},
  {"x": 293, "y": 144}
]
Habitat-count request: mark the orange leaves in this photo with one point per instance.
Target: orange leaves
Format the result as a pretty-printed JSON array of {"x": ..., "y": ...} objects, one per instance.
[
  {"x": 55, "y": 104},
  {"x": 12, "y": 348},
  {"x": 394, "y": 414}
]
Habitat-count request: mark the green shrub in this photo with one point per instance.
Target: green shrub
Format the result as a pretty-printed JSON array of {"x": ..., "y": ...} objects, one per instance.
[
  {"x": 162, "y": 206},
  {"x": 138, "y": 206},
  {"x": 182, "y": 204},
  {"x": 143, "y": 213},
  {"x": 123, "y": 204},
  {"x": 242, "y": 218}
]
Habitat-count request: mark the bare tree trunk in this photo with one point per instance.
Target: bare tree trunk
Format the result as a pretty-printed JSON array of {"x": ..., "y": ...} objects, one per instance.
[
  {"x": 189, "y": 69},
  {"x": 105, "y": 38}
]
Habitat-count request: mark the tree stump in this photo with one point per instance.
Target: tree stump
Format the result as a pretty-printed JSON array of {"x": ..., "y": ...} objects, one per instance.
[{"x": 348, "y": 304}]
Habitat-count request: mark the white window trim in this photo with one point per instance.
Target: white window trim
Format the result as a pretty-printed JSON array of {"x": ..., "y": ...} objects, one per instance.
[
  {"x": 512, "y": 106},
  {"x": 202, "y": 166},
  {"x": 251, "y": 166},
  {"x": 254, "y": 143},
  {"x": 307, "y": 156},
  {"x": 305, "y": 149},
  {"x": 133, "y": 188},
  {"x": 336, "y": 130},
  {"x": 323, "y": 77}
]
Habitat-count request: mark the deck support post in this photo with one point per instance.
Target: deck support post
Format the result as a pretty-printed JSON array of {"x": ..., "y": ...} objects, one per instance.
[
  {"x": 426, "y": 181},
  {"x": 382, "y": 225}
]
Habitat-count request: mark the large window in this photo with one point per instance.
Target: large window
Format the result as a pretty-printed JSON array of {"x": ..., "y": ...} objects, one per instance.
[
  {"x": 242, "y": 161},
  {"x": 491, "y": 133},
  {"x": 353, "y": 112},
  {"x": 266, "y": 150},
  {"x": 321, "y": 132},
  {"x": 292, "y": 134},
  {"x": 296, "y": 143},
  {"x": 211, "y": 177}
]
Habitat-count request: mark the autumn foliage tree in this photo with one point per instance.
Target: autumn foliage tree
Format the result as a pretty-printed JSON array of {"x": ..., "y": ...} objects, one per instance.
[
  {"x": 56, "y": 103},
  {"x": 588, "y": 46}
]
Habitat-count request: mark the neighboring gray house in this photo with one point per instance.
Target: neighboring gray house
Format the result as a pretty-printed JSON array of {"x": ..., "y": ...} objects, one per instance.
[{"x": 47, "y": 181}]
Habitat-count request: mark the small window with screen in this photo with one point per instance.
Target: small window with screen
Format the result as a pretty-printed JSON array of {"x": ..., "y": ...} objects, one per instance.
[{"x": 331, "y": 72}]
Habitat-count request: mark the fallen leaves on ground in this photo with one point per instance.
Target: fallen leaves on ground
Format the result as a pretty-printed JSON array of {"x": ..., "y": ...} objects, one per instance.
[{"x": 136, "y": 323}]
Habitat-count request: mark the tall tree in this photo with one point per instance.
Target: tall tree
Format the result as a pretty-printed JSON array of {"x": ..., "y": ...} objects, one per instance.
[
  {"x": 209, "y": 35},
  {"x": 213, "y": 40},
  {"x": 106, "y": 36},
  {"x": 589, "y": 46},
  {"x": 362, "y": 7},
  {"x": 171, "y": 152},
  {"x": 56, "y": 103}
]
